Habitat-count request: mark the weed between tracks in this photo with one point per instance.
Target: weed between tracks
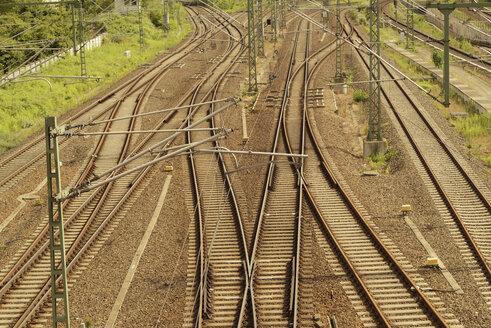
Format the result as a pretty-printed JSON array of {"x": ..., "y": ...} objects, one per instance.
[
  {"x": 477, "y": 131},
  {"x": 24, "y": 105},
  {"x": 380, "y": 160}
]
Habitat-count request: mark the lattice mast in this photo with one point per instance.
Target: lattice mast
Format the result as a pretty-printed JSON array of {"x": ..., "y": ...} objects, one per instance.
[
  {"x": 81, "y": 40},
  {"x": 251, "y": 46},
  {"x": 260, "y": 29},
  {"x": 274, "y": 30},
  {"x": 374, "y": 132},
  {"x": 339, "y": 42}
]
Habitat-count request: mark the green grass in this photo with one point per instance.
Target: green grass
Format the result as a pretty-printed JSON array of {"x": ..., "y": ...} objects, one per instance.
[
  {"x": 359, "y": 95},
  {"x": 380, "y": 160},
  {"x": 24, "y": 105},
  {"x": 422, "y": 25},
  {"x": 477, "y": 131}
]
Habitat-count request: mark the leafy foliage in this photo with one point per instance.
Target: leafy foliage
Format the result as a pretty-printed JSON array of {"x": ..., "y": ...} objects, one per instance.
[
  {"x": 359, "y": 95},
  {"x": 437, "y": 58},
  {"x": 24, "y": 105}
]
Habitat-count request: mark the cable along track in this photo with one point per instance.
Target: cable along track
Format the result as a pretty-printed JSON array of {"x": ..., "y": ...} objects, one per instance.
[
  {"x": 389, "y": 297},
  {"x": 461, "y": 198},
  {"x": 25, "y": 286}
]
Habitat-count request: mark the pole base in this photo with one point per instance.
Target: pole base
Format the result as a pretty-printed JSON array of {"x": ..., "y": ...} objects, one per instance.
[{"x": 373, "y": 147}]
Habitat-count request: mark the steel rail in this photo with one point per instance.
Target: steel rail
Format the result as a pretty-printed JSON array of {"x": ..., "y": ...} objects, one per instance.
[
  {"x": 39, "y": 297},
  {"x": 305, "y": 121},
  {"x": 457, "y": 218},
  {"x": 433, "y": 39},
  {"x": 100, "y": 202},
  {"x": 200, "y": 226},
  {"x": 433, "y": 312},
  {"x": 269, "y": 176},
  {"x": 231, "y": 194},
  {"x": 358, "y": 281},
  {"x": 13, "y": 271}
]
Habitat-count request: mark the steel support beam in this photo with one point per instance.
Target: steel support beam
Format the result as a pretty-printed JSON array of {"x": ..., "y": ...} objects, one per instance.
[
  {"x": 282, "y": 14},
  {"x": 374, "y": 132},
  {"x": 81, "y": 41},
  {"x": 260, "y": 29},
  {"x": 410, "y": 27},
  {"x": 274, "y": 30},
  {"x": 325, "y": 13},
  {"x": 140, "y": 24},
  {"x": 251, "y": 46},
  {"x": 339, "y": 42},
  {"x": 59, "y": 294}
]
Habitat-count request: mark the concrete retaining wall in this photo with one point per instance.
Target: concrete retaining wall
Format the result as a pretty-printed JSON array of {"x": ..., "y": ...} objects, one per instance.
[{"x": 36, "y": 66}]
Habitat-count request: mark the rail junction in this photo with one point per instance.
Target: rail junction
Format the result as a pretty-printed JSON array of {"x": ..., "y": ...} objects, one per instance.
[{"x": 215, "y": 189}]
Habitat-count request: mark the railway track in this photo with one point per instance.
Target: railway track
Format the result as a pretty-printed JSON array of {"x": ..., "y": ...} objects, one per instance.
[
  {"x": 276, "y": 250},
  {"x": 90, "y": 219},
  {"x": 217, "y": 251},
  {"x": 19, "y": 164},
  {"x": 394, "y": 298},
  {"x": 457, "y": 192},
  {"x": 460, "y": 54}
]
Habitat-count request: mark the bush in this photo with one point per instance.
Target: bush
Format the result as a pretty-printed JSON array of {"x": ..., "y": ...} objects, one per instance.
[
  {"x": 380, "y": 160},
  {"x": 360, "y": 95},
  {"x": 437, "y": 58}
]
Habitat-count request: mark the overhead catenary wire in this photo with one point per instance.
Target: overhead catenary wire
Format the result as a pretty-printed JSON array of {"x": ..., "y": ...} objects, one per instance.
[
  {"x": 81, "y": 125},
  {"x": 74, "y": 192},
  {"x": 82, "y": 134},
  {"x": 363, "y": 47},
  {"x": 150, "y": 149},
  {"x": 435, "y": 47}
]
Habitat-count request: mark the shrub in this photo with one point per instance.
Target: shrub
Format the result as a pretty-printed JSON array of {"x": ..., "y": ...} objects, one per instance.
[
  {"x": 360, "y": 95},
  {"x": 437, "y": 58}
]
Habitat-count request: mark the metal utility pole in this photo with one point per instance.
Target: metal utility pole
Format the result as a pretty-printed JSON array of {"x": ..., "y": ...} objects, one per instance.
[
  {"x": 339, "y": 42},
  {"x": 325, "y": 13},
  {"x": 260, "y": 29},
  {"x": 252, "y": 46},
  {"x": 140, "y": 24},
  {"x": 165, "y": 15},
  {"x": 81, "y": 40},
  {"x": 59, "y": 293},
  {"x": 374, "y": 72},
  {"x": 213, "y": 44},
  {"x": 282, "y": 14},
  {"x": 409, "y": 27},
  {"x": 446, "y": 9},
  {"x": 273, "y": 21},
  {"x": 395, "y": 8}
]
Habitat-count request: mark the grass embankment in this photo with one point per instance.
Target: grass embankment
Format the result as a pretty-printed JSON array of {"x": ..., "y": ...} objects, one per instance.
[
  {"x": 232, "y": 5},
  {"x": 23, "y": 106},
  {"x": 475, "y": 128}
]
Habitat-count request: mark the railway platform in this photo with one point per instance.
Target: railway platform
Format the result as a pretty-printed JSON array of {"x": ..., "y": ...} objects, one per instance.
[{"x": 468, "y": 86}]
